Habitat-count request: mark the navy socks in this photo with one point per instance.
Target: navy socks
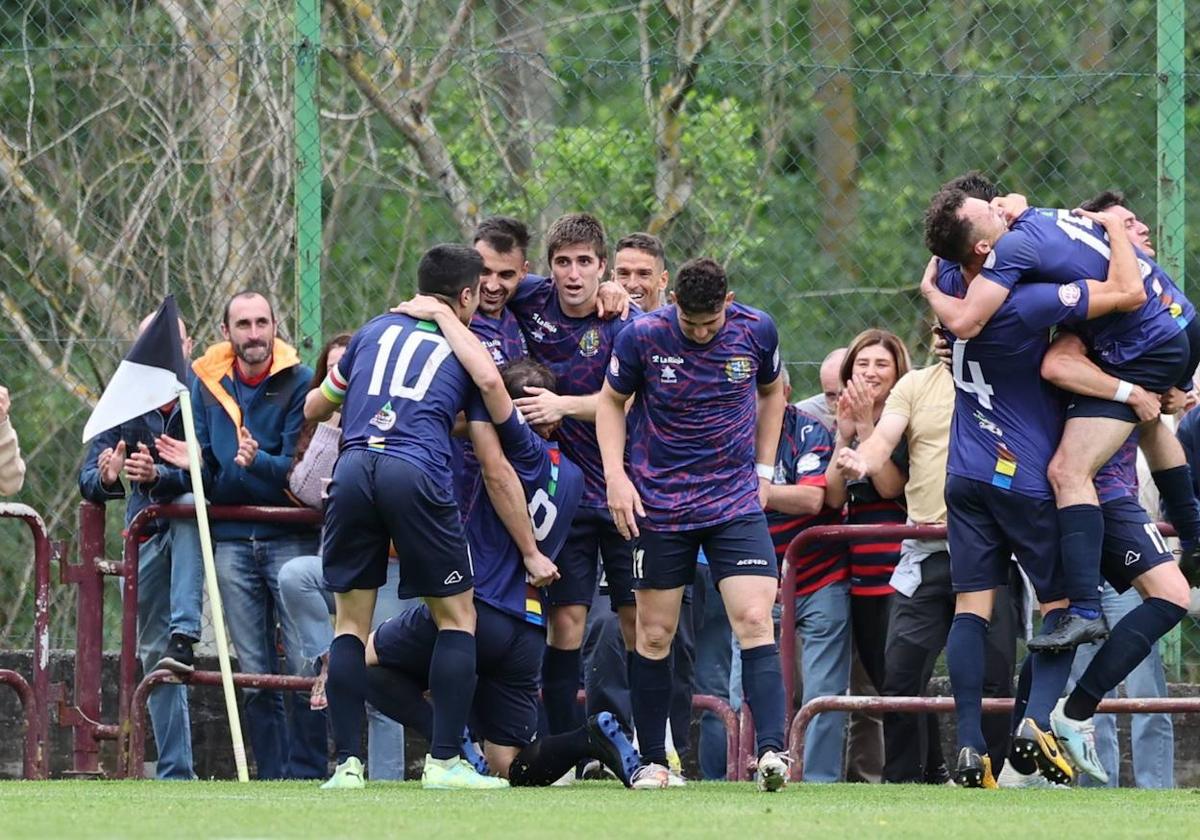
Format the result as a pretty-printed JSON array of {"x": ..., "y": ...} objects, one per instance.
[
  {"x": 1082, "y": 535},
  {"x": 650, "y": 689},
  {"x": 1050, "y": 672},
  {"x": 452, "y": 686},
  {"x": 1175, "y": 488},
  {"x": 346, "y": 689},
  {"x": 762, "y": 683},
  {"x": 966, "y": 655}
]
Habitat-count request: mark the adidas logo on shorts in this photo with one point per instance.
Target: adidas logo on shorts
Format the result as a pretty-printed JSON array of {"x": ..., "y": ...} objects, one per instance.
[{"x": 453, "y": 578}]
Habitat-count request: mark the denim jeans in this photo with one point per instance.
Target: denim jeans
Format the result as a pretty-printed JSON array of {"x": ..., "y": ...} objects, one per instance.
[
  {"x": 823, "y": 632},
  {"x": 308, "y": 606},
  {"x": 248, "y": 577},
  {"x": 170, "y": 593},
  {"x": 1152, "y": 737}
]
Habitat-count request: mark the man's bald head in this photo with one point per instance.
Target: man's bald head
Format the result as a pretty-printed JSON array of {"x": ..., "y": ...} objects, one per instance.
[
  {"x": 183, "y": 333},
  {"x": 831, "y": 381}
]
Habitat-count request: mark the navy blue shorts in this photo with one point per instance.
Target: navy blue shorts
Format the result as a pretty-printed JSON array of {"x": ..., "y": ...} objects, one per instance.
[
  {"x": 741, "y": 546},
  {"x": 508, "y": 660},
  {"x": 593, "y": 537},
  {"x": 1192, "y": 330},
  {"x": 1132, "y": 543},
  {"x": 378, "y": 500},
  {"x": 987, "y": 525},
  {"x": 1157, "y": 370}
]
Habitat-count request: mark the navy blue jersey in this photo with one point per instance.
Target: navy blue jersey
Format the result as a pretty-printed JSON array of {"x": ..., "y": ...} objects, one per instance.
[
  {"x": 400, "y": 388},
  {"x": 577, "y": 351},
  {"x": 1052, "y": 246},
  {"x": 553, "y": 488},
  {"x": 691, "y": 431},
  {"x": 501, "y": 336},
  {"x": 1007, "y": 419}
]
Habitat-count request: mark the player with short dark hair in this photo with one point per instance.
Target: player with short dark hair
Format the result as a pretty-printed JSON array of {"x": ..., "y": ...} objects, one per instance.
[
  {"x": 640, "y": 265},
  {"x": 400, "y": 386},
  {"x": 503, "y": 243},
  {"x": 703, "y": 436}
]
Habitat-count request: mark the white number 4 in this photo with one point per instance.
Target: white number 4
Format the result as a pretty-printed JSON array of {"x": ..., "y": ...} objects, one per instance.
[{"x": 976, "y": 385}]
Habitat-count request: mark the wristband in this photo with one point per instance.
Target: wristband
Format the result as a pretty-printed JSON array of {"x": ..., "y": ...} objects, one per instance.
[
  {"x": 1124, "y": 391},
  {"x": 765, "y": 471}
]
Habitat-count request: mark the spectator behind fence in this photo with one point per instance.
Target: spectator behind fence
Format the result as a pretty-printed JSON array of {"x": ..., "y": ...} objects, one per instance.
[
  {"x": 823, "y": 406},
  {"x": 170, "y": 573},
  {"x": 306, "y": 600},
  {"x": 874, "y": 361},
  {"x": 12, "y": 468},
  {"x": 796, "y": 502},
  {"x": 249, "y": 398}
]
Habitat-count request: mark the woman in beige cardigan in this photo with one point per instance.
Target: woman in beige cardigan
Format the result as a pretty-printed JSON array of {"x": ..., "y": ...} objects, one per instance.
[{"x": 12, "y": 468}]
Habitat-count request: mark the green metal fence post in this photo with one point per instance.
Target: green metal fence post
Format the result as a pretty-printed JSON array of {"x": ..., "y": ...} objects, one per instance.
[{"x": 307, "y": 189}]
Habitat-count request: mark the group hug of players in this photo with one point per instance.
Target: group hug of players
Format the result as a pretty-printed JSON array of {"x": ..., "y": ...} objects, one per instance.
[{"x": 638, "y": 439}]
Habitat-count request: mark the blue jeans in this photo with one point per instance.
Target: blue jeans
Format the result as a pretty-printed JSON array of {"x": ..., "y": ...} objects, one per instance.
[
  {"x": 308, "y": 606},
  {"x": 1152, "y": 736},
  {"x": 248, "y": 577},
  {"x": 170, "y": 593},
  {"x": 714, "y": 654},
  {"x": 823, "y": 631}
]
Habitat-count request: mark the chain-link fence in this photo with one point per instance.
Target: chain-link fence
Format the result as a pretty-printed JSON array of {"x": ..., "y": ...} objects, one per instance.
[{"x": 313, "y": 149}]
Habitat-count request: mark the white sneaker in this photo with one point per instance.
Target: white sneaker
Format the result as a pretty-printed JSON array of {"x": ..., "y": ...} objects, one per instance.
[
  {"x": 773, "y": 770},
  {"x": 565, "y": 780},
  {"x": 1078, "y": 739},
  {"x": 675, "y": 779},
  {"x": 650, "y": 777},
  {"x": 1011, "y": 778}
]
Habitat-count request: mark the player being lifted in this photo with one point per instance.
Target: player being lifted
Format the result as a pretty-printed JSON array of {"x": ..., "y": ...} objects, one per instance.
[
  {"x": 1145, "y": 346},
  {"x": 400, "y": 388},
  {"x": 701, "y": 461}
]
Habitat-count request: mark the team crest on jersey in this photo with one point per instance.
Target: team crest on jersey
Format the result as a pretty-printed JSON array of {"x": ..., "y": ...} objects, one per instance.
[
  {"x": 1069, "y": 294},
  {"x": 739, "y": 369},
  {"x": 384, "y": 419},
  {"x": 589, "y": 345},
  {"x": 668, "y": 375},
  {"x": 614, "y": 366}
]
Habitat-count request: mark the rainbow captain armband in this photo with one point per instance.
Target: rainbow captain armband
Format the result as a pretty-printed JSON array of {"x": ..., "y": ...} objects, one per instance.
[{"x": 333, "y": 387}]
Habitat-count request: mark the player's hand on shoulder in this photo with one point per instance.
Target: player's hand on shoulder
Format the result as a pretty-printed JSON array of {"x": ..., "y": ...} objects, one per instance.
[
  {"x": 541, "y": 406},
  {"x": 423, "y": 307},
  {"x": 540, "y": 569},
  {"x": 1011, "y": 205},
  {"x": 624, "y": 504},
  {"x": 612, "y": 300},
  {"x": 1104, "y": 217},
  {"x": 929, "y": 277}
]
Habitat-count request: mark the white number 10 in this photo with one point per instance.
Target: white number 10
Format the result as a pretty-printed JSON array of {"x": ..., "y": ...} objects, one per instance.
[{"x": 408, "y": 349}]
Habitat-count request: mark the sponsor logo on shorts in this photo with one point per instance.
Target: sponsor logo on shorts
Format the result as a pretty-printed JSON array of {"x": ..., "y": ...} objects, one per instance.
[
  {"x": 453, "y": 578},
  {"x": 1132, "y": 557},
  {"x": 752, "y": 561},
  {"x": 1069, "y": 294}
]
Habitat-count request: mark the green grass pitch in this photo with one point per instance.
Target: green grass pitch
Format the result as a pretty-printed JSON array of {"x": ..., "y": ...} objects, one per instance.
[{"x": 592, "y": 809}]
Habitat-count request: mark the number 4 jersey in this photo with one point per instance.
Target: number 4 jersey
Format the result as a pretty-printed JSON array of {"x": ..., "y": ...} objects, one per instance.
[
  {"x": 401, "y": 388},
  {"x": 1007, "y": 419}
]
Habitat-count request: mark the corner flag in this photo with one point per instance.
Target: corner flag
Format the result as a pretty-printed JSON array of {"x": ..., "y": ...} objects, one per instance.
[{"x": 152, "y": 374}]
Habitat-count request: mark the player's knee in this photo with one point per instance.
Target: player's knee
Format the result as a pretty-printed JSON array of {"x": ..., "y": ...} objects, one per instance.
[
  {"x": 654, "y": 640},
  {"x": 566, "y": 626},
  {"x": 753, "y": 623},
  {"x": 1170, "y": 586}
]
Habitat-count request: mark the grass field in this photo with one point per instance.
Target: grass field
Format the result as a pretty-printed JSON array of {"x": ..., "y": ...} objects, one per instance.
[{"x": 591, "y": 809}]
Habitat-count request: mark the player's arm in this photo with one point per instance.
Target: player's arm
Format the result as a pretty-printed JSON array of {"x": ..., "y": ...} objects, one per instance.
[
  {"x": 322, "y": 401},
  {"x": 623, "y": 500},
  {"x": 872, "y": 459},
  {"x": 966, "y": 316},
  {"x": 542, "y": 406},
  {"x": 1066, "y": 365},
  {"x": 771, "y": 405},
  {"x": 1123, "y": 290}
]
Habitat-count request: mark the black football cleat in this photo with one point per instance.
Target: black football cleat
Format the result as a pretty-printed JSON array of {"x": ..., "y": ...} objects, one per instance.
[{"x": 1071, "y": 632}]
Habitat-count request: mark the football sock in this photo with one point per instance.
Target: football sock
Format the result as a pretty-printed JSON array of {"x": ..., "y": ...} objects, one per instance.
[
  {"x": 762, "y": 683},
  {"x": 1051, "y": 670},
  {"x": 1130, "y": 641},
  {"x": 966, "y": 653},
  {"x": 1082, "y": 535},
  {"x": 547, "y": 759},
  {"x": 452, "y": 687},
  {"x": 560, "y": 688},
  {"x": 650, "y": 687},
  {"x": 1025, "y": 766},
  {"x": 345, "y": 690},
  {"x": 1175, "y": 488},
  {"x": 400, "y": 697}
]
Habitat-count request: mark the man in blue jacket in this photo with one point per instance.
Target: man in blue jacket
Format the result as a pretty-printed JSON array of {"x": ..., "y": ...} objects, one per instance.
[
  {"x": 249, "y": 399},
  {"x": 170, "y": 574}
]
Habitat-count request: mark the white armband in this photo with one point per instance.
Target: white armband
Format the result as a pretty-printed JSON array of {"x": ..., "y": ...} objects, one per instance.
[
  {"x": 1124, "y": 391},
  {"x": 765, "y": 471}
]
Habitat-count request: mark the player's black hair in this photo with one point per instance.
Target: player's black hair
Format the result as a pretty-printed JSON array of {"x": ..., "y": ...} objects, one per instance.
[
  {"x": 646, "y": 242},
  {"x": 576, "y": 229},
  {"x": 948, "y": 235},
  {"x": 975, "y": 184},
  {"x": 701, "y": 286},
  {"x": 1103, "y": 201},
  {"x": 522, "y": 372},
  {"x": 245, "y": 293},
  {"x": 446, "y": 270},
  {"x": 503, "y": 234}
]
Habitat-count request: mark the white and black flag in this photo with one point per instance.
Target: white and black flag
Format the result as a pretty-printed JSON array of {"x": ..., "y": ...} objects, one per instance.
[{"x": 151, "y": 375}]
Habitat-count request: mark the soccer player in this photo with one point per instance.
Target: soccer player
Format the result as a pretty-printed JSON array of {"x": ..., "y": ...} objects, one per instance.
[
  {"x": 639, "y": 265},
  {"x": 400, "y": 388},
  {"x": 511, "y": 625},
  {"x": 702, "y": 456},
  {"x": 1006, "y": 424},
  {"x": 502, "y": 242},
  {"x": 1146, "y": 346},
  {"x": 565, "y": 331}
]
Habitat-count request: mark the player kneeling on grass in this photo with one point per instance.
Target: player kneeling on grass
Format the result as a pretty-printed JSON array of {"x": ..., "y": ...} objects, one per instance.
[
  {"x": 703, "y": 435},
  {"x": 400, "y": 387},
  {"x": 511, "y": 629}
]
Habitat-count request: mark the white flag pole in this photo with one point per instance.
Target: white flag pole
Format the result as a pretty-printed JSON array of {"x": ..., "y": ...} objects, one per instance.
[{"x": 210, "y": 583}]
